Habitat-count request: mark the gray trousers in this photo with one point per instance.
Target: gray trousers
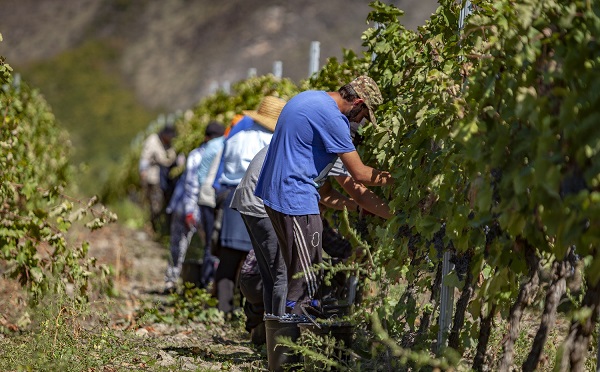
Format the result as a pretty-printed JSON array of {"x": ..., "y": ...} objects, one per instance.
[
  {"x": 180, "y": 241},
  {"x": 155, "y": 200},
  {"x": 270, "y": 263}
]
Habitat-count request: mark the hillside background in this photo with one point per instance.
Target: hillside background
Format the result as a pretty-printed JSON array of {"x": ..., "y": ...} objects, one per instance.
[{"x": 109, "y": 67}]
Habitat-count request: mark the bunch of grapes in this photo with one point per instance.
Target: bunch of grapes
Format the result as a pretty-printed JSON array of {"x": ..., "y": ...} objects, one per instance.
[
  {"x": 403, "y": 231},
  {"x": 362, "y": 228},
  {"x": 572, "y": 184},
  {"x": 461, "y": 263},
  {"x": 413, "y": 239},
  {"x": 573, "y": 259},
  {"x": 496, "y": 174},
  {"x": 438, "y": 241},
  {"x": 492, "y": 232}
]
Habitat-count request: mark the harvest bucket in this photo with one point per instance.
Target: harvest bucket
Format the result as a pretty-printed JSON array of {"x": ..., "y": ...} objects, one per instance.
[
  {"x": 281, "y": 326},
  {"x": 341, "y": 332}
]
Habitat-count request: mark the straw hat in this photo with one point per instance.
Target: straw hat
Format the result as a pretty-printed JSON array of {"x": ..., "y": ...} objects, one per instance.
[{"x": 267, "y": 113}]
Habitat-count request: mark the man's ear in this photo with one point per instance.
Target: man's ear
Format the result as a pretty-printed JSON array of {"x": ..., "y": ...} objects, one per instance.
[{"x": 358, "y": 102}]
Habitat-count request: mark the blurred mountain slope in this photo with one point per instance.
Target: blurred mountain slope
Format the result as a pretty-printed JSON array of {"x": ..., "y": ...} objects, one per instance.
[
  {"x": 172, "y": 53},
  {"x": 109, "y": 67}
]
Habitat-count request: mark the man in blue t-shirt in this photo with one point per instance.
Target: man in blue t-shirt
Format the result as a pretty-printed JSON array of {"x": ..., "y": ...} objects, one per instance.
[{"x": 312, "y": 131}]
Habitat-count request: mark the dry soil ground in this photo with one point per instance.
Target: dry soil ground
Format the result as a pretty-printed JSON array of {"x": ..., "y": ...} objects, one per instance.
[{"x": 139, "y": 263}]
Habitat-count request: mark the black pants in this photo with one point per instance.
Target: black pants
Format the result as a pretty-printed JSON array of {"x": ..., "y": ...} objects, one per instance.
[
  {"x": 230, "y": 261},
  {"x": 251, "y": 286},
  {"x": 300, "y": 242},
  {"x": 207, "y": 220},
  {"x": 270, "y": 263}
]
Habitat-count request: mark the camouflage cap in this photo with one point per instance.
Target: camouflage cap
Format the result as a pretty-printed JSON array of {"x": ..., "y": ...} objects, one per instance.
[{"x": 367, "y": 89}]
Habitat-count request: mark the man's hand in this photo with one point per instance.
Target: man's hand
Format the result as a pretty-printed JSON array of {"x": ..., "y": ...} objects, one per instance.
[
  {"x": 190, "y": 221},
  {"x": 363, "y": 173}
]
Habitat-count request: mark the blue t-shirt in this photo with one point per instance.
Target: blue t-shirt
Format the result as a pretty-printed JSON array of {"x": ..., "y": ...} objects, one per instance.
[{"x": 310, "y": 132}]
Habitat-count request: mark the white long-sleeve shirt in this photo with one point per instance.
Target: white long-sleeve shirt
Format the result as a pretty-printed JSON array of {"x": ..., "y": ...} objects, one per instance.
[
  {"x": 239, "y": 151},
  {"x": 154, "y": 155}
]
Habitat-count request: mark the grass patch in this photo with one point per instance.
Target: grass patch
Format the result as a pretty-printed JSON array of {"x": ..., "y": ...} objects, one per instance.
[
  {"x": 66, "y": 336},
  {"x": 130, "y": 214},
  {"x": 192, "y": 305}
]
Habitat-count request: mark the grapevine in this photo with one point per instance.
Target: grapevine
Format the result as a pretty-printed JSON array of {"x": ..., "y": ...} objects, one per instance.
[
  {"x": 491, "y": 135},
  {"x": 35, "y": 213}
]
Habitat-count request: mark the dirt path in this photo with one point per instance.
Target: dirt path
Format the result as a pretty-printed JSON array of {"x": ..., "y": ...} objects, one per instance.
[
  {"x": 139, "y": 264},
  {"x": 136, "y": 328}
]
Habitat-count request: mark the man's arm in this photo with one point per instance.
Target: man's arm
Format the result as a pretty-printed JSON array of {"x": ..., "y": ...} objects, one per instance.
[
  {"x": 333, "y": 199},
  {"x": 166, "y": 158},
  {"x": 161, "y": 155},
  {"x": 366, "y": 198},
  {"x": 363, "y": 173}
]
